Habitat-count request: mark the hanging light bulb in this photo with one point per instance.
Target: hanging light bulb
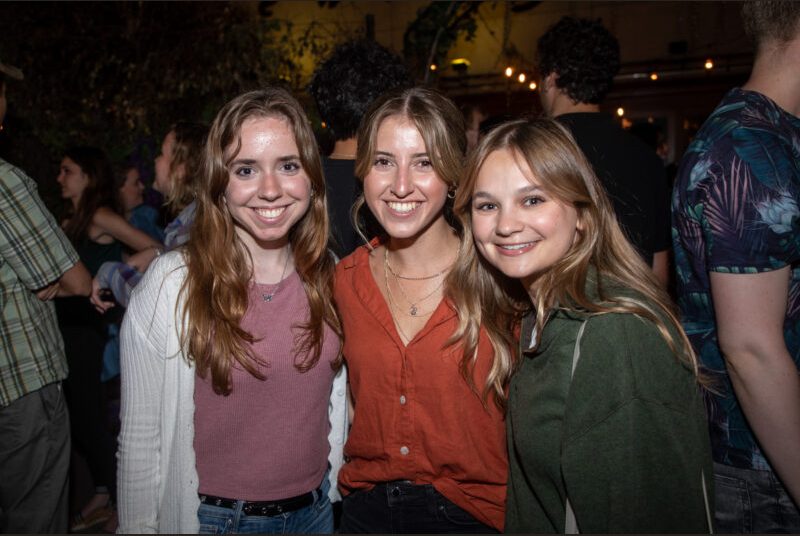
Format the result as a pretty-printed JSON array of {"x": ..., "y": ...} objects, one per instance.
[
  {"x": 620, "y": 111},
  {"x": 433, "y": 67},
  {"x": 532, "y": 85},
  {"x": 521, "y": 78},
  {"x": 709, "y": 64},
  {"x": 654, "y": 76},
  {"x": 509, "y": 71}
]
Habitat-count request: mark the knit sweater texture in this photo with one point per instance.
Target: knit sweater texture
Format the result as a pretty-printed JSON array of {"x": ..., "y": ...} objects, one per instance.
[{"x": 157, "y": 478}]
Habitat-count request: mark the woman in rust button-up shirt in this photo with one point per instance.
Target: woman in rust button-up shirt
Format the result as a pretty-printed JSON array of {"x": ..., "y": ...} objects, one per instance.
[{"x": 427, "y": 448}]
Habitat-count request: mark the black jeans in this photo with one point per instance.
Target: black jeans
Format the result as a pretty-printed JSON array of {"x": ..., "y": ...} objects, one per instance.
[
  {"x": 753, "y": 501},
  {"x": 405, "y": 508}
]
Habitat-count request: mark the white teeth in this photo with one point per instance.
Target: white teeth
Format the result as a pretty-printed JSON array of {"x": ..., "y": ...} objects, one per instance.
[
  {"x": 402, "y": 207},
  {"x": 270, "y": 212},
  {"x": 517, "y": 246}
]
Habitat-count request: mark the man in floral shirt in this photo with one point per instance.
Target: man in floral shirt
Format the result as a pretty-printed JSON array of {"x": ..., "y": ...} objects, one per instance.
[{"x": 736, "y": 234}]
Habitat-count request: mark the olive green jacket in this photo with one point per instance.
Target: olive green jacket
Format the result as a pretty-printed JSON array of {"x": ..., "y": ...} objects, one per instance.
[{"x": 634, "y": 438}]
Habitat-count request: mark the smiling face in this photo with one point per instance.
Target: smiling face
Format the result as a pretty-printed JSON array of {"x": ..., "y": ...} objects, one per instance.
[
  {"x": 518, "y": 227},
  {"x": 401, "y": 189},
  {"x": 72, "y": 179},
  {"x": 131, "y": 191},
  {"x": 268, "y": 191}
]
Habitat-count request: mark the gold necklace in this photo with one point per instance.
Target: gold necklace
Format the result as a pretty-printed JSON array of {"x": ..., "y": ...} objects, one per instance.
[
  {"x": 414, "y": 309},
  {"x": 410, "y": 278}
]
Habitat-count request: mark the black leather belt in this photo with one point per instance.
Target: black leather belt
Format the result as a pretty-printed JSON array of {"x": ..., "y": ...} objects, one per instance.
[{"x": 265, "y": 508}]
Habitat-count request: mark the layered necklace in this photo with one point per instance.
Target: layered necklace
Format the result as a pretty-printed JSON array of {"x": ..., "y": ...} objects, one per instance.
[
  {"x": 413, "y": 308},
  {"x": 267, "y": 296}
]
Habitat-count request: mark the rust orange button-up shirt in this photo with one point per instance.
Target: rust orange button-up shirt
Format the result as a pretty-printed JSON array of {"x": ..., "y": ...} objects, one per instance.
[{"x": 415, "y": 415}]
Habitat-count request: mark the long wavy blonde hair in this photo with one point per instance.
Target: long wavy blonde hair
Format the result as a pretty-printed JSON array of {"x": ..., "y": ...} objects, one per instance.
[
  {"x": 219, "y": 267},
  {"x": 485, "y": 296}
]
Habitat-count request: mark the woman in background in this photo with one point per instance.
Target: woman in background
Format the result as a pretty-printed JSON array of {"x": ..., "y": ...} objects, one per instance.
[
  {"x": 177, "y": 170},
  {"x": 98, "y": 233}
]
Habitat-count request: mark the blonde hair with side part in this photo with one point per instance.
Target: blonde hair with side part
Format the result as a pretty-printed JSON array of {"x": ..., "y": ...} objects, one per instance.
[
  {"x": 441, "y": 126},
  {"x": 485, "y": 296},
  {"x": 219, "y": 267}
]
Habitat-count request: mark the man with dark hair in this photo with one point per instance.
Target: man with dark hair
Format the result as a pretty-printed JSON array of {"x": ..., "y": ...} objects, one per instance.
[
  {"x": 344, "y": 86},
  {"x": 577, "y": 61},
  {"x": 37, "y": 263},
  {"x": 736, "y": 229}
]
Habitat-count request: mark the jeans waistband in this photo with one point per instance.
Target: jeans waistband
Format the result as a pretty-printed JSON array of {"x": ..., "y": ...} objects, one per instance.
[{"x": 265, "y": 508}]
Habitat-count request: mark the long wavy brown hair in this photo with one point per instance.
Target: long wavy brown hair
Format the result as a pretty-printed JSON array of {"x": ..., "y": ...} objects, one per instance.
[
  {"x": 485, "y": 296},
  {"x": 219, "y": 267},
  {"x": 99, "y": 191}
]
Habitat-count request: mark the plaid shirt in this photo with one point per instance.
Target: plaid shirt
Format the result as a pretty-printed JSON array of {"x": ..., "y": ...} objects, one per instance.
[{"x": 34, "y": 252}]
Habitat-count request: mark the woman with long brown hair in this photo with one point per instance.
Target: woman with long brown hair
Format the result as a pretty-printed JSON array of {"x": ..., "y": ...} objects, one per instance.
[
  {"x": 426, "y": 452},
  {"x": 98, "y": 231},
  {"x": 230, "y": 344},
  {"x": 606, "y": 426}
]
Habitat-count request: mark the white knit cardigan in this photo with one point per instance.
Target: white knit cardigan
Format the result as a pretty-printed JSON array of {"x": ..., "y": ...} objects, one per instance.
[{"x": 157, "y": 477}]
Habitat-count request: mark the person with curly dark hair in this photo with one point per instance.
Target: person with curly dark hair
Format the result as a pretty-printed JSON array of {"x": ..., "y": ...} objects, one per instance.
[
  {"x": 343, "y": 87},
  {"x": 577, "y": 61}
]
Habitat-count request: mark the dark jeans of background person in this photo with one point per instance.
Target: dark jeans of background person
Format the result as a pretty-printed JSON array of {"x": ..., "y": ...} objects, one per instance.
[
  {"x": 406, "y": 508},
  {"x": 34, "y": 463},
  {"x": 84, "y": 347},
  {"x": 750, "y": 501}
]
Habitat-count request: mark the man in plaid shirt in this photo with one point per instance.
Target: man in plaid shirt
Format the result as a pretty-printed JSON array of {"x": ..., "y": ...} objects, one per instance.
[{"x": 37, "y": 263}]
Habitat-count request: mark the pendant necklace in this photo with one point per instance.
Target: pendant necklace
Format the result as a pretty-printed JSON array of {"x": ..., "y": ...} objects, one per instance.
[
  {"x": 267, "y": 296},
  {"x": 414, "y": 309}
]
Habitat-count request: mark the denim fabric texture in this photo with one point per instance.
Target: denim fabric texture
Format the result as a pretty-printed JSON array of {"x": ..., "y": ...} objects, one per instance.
[
  {"x": 752, "y": 501},
  {"x": 404, "y": 508},
  {"x": 314, "y": 519}
]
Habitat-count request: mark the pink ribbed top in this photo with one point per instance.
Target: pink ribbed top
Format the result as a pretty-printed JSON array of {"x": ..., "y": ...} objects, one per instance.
[{"x": 268, "y": 439}]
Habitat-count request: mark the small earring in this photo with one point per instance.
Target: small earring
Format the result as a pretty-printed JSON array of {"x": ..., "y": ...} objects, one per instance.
[{"x": 451, "y": 193}]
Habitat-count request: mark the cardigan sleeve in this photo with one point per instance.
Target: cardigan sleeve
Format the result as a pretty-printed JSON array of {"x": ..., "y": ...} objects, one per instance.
[
  {"x": 636, "y": 444},
  {"x": 143, "y": 358}
]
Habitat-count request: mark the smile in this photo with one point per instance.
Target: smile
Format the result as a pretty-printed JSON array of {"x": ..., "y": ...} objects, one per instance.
[
  {"x": 515, "y": 249},
  {"x": 269, "y": 213},
  {"x": 404, "y": 207}
]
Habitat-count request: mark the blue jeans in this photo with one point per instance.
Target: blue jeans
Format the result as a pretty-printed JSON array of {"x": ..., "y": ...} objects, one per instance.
[
  {"x": 749, "y": 501},
  {"x": 314, "y": 519}
]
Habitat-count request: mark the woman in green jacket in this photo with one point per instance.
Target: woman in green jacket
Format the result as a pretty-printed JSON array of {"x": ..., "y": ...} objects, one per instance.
[{"x": 606, "y": 426}]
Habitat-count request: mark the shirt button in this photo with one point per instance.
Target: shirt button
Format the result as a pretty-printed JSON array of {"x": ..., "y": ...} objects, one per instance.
[
  {"x": 402, "y": 400},
  {"x": 404, "y": 450}
]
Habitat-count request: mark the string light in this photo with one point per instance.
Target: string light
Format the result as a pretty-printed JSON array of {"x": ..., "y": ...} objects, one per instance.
[
  {"x": 653, "y": 76},
  {"x": 620, "y": 111},
  {"x": 532, "y": 85},
  {"x": 521, "y": 78},
  {"x": 324, "y": 124},
  {"x": 509, "y": 72},
  {"x": 433, "y": 66},
  {"x": 709, "y": 64}
]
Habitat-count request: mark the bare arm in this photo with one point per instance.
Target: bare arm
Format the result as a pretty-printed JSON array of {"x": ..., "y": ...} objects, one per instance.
[
  {"x": 74, "y": 282},
  {"x": 750, "y": 311},
  {"x": 661, "y": 267},
  {"x": 116, "y": 226}
]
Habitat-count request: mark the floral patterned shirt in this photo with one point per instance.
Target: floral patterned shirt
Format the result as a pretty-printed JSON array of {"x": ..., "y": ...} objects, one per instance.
[{"x": 735, "y": 210}]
